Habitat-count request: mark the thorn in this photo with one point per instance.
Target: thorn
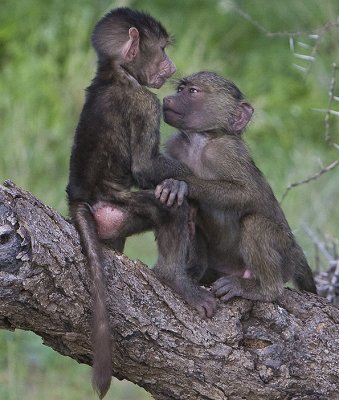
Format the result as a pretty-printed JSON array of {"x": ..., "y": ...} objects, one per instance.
[
  {"x": 304, "y": 57},
  {"x": 319, "y": 110},
  {"x": 304, "y": 45},
  {"x": 300, "y": 68}
]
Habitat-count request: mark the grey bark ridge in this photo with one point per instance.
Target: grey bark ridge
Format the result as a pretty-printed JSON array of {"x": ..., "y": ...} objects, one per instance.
[{"x": 249, "y": 350}]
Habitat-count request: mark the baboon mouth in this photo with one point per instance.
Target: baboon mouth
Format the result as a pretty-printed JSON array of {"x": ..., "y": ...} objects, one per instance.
[{"x": 167, "y": 110}]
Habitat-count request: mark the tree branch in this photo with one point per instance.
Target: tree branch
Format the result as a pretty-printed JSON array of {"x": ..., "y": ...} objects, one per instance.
[
  {"x": 310, "y": 178},
  {"x": 249, "y": 350}
]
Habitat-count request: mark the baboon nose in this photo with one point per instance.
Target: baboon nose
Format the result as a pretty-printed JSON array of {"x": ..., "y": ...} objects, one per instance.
[
  {"x": 167, "y": 101},
  {"x": 172, "y": 68}
]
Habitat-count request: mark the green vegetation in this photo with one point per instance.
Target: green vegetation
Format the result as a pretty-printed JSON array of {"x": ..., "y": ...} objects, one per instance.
[{"x": 46, "y": 62}]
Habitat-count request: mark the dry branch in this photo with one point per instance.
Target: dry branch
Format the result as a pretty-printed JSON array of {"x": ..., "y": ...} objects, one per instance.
[
  {"x": 315, "y": 36},
  {"x": 327, "y": 278},
  {"x": 310, "y": 178},
  {"x": 249, "y": 350}
]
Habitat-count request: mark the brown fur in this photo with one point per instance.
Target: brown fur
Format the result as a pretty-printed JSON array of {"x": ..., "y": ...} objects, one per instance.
[
  {"x": 116, "y": 147},
  {"x": 243, "y": 242}
]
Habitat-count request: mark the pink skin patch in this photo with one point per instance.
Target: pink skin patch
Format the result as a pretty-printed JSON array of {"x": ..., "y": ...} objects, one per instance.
[
  {"x": 247, "y": 274},
  {"x": 108, "y": 219}
]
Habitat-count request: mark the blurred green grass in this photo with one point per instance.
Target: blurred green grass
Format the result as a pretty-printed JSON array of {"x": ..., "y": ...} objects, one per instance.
[
  {"x": 30, "y": 371},
  {"x": 46, "y": 62}
]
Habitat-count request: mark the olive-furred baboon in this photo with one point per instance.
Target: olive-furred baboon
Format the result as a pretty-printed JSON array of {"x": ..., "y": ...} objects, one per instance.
[
  {"x": 116, "y": 147},
  {"x": 242, "y": 241}
]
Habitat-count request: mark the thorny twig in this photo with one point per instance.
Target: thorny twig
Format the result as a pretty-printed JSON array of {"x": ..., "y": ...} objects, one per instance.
[
  {"x": 321, "y": 246},
  {"x": 321, "y": 30},
  {"x": 328, "y": 137},
  {"x": 329, "y": 111},
  {"x": 316, "y": 36},
  {"x": 311, "y": 178},
  {"x": 327, "y": 281}
]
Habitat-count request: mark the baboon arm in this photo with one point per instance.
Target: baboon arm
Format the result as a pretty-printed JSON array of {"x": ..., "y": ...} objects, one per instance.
[
  {"x": 149, "y": 170},
  {"x": 229, "y": 286},
  {"x": 219, "y": 193},
  {"x": 149, "y": 166}
]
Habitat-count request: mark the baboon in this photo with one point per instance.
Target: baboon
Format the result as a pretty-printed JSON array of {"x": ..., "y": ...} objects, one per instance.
[
  {"x": 242, "y": 242},
  {"x": 116, "y": 147}
]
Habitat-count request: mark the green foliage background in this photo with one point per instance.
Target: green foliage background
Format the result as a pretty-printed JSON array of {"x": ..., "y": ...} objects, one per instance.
[{"x": 46, "y": 62}]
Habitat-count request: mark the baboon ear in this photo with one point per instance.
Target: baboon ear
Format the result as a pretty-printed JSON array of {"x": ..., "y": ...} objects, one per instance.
[
  {"x": 243, "y": 117},
  {"x": 131, "y": 48}
]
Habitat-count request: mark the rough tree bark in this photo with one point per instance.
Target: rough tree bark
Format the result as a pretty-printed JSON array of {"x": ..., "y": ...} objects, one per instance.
[{"x": 249, "y": 350}]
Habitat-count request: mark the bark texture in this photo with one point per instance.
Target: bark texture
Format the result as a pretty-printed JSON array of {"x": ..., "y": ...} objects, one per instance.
[{"x": 249, "y": 350}]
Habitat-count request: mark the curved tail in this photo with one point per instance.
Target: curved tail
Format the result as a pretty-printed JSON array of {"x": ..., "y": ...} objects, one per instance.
[
  {"x": 101, "y": 338},
  {"x": 303, "y": 276}
]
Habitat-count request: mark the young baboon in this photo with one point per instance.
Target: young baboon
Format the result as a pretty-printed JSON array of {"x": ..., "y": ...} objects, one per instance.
[
  {"x": 116, "y": 146},
  {"x": 242, "y": 240}
]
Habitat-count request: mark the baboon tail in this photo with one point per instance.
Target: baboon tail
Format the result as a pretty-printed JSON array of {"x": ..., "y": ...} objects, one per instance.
[
  {"x": 303, "y": 277},
  {"x": 101, "y": 339}
]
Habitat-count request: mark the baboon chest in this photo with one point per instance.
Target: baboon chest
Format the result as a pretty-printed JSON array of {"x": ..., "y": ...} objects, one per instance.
[{"x": 193, "y": 154}]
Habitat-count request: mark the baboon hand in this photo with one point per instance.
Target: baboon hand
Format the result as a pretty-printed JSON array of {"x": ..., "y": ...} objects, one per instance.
[
  {"x": 202, "y": 300},
  {"x": 171, "y": 191},
  {"x": 226, "y": 287}
]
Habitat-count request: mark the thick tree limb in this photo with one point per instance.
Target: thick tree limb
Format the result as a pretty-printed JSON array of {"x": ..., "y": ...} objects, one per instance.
[{"x": 249, "y": 350}]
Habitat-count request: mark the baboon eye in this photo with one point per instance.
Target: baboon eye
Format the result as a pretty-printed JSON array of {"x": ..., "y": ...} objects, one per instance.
[
  {"x": 193, "y": 90},
  {"x": 180, "y": 89}
]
